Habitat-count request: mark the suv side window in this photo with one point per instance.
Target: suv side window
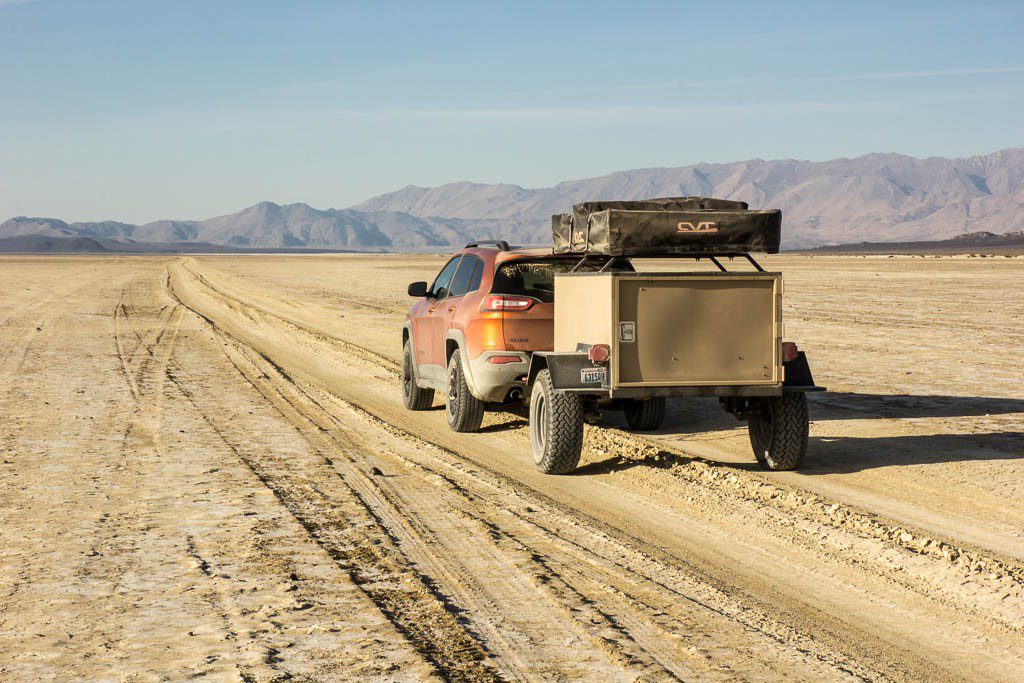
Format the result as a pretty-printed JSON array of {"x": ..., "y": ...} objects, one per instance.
[
  {"x": 462, "y": 283},
  {"x": 439, "y": 289}
]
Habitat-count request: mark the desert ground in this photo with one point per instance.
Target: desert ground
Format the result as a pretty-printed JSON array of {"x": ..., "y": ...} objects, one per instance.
[{"x": 207, "y": 472}]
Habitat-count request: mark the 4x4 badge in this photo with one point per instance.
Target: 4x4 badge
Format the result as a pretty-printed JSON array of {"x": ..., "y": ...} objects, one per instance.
[{"x": 704, "y": 226}]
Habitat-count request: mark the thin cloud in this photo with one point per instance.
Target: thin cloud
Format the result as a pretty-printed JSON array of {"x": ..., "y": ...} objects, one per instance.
[
  {"x": 938, "y": 73},
  {"x": 555, "y": 116},
  {"x": 561, "y": 92},
  {"x": 613, "y": 114},
  {"x": 674, "y": 86},
  {"x": 874, "y": 76},
  {"x": 575, "y": 116}
]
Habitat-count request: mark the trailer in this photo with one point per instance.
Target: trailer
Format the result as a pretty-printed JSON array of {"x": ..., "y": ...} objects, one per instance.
[{"x": 628, "y": 340}]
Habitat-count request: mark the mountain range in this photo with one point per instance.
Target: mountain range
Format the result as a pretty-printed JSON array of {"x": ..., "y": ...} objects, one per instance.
[
  {"x": 876, "y": 197},
  {"x": 268, "y": 225}
]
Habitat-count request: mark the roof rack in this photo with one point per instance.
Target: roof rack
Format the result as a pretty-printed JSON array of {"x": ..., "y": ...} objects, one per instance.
[
  {"x": 612, "y": 261},
  {"x": 500, "y": 245}
]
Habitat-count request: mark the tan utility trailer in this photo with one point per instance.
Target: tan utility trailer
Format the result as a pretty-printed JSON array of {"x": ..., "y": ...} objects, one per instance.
[
  {"x": 675, "y": 330},
  {"x": 628, "y": 340}
]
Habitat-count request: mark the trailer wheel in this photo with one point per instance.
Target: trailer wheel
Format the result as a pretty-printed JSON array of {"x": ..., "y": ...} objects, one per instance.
[
  {"x": 413, "y": 397},
  {"x": 645, "y": 414},
  {"x": 778, "y": 434},
  {"x": 556, "y": 427},
  {"x": 465, "y": 411}
]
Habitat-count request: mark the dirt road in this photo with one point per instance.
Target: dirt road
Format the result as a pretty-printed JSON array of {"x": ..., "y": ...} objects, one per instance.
[{"x": 207, "y": 470}]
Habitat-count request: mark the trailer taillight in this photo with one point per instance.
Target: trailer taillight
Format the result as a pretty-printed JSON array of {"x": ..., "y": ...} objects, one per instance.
[
  {"x": 504, "y": 302},
  {"x": 789, "y": 351},
  {"x": 599, "y": 353}
]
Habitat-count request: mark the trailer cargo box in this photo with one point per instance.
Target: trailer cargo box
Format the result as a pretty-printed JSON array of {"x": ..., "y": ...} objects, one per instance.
[{"x": 690, "y": 333}]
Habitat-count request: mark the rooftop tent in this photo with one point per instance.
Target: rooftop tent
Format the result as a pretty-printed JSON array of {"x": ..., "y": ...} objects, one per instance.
[{"x": 665, "y": 227}]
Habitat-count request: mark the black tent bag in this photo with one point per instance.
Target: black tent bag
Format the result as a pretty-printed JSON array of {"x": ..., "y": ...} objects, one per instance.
[
  {"x": 655, "y": 233},
  {"x": 667, "y": 226},
  {"x": 562, "y": 224}
]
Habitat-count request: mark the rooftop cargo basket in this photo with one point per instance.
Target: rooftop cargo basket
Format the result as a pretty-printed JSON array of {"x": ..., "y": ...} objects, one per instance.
[{"x": 670, "y": 226}]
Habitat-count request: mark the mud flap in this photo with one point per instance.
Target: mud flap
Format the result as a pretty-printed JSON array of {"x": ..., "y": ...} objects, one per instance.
[
  {"x": 570, "y": 372},
  {"x": 798, "y": 375}
]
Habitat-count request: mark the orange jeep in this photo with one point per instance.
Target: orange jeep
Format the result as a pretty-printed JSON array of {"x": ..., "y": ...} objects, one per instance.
[{"x": 472, "y": 331}]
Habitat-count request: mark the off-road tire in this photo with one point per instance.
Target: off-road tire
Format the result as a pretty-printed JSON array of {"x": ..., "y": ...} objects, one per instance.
[
  {"x": 465, "y": 411},
  {"x": 778, "y": 434},
  {"x": 413, "y": 397},
  {"x": 645, "y": 414},
  {"x": 556, "y": 427}
]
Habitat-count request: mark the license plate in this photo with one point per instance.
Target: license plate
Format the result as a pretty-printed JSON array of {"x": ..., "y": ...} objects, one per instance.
[{"x": 593, "y": 375}]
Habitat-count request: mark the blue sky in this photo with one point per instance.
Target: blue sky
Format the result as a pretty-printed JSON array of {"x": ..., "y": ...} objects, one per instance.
[{"x": 145, "y": 110}]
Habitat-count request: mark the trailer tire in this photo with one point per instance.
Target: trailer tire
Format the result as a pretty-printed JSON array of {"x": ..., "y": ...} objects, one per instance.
[
  {"x": 556, "y": 427},
  {"x": 779, "y": 433},
  {"x": 645, "y": 414},
  {"x": 465, "y": 411},
  {"x": 414, "y": 397}
]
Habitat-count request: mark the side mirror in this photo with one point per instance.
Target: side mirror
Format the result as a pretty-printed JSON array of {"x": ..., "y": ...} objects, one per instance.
[{"x": 418, "y": 289}]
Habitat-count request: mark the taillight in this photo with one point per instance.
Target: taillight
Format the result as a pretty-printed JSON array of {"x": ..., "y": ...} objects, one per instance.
[
  {"x": 504, "y": 302},
  {"x": 789, "y": 351},
  {"x": 504, "y": 360},
  {"x": 599, "y": 353}
]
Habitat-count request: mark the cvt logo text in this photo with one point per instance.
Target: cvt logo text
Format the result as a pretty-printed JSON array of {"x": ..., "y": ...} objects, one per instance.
[{"x": 704, "y": 226}]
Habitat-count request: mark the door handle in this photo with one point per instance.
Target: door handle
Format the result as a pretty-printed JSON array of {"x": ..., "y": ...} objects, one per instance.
[{"x": 452, "y": 308}]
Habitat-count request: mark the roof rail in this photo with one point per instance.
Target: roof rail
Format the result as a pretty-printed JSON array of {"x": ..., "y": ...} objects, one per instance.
[{"x": 501, "y": 245}]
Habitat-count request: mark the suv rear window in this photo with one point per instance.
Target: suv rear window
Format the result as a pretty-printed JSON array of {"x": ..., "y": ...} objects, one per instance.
[{"x": 536, "y": 277}]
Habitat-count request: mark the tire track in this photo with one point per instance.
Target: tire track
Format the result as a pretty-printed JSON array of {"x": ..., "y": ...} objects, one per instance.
[
  {"x": 149, "y": 368},
  {"x": 799, "y": 525},
  {"x": 667, "y": 657},
  {"x": 347, "y": 530},
  {"x": 433, "y": 536},
  {"x": 647, "y": 584},
  {"x": 658, "y": 658},
  {"x": 247, "y": 311},
  {"x": 1002, "y": 577}
]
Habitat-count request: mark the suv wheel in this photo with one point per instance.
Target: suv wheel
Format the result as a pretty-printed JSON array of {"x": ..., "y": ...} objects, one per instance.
[
  {"x": 778, "y": 434},
  {"x": 556, "y": 427},
  {"x": 645, "y": 414},
  {"x": 465, "y": 412},
  {"x": 413, "y": 397}
]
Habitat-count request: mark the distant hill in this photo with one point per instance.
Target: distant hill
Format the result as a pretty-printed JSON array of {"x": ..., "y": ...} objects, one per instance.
[
  {"x": 41, "y": 244},
  {"x": 873, "y": 198},
  {"x": 970, "y": 243},
  {"x": 272, "y": 226},
  {"x": 877, "y": 197}
]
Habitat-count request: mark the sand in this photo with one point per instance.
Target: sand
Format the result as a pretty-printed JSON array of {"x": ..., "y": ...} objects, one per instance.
[{"x": 207, "y": 471}]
